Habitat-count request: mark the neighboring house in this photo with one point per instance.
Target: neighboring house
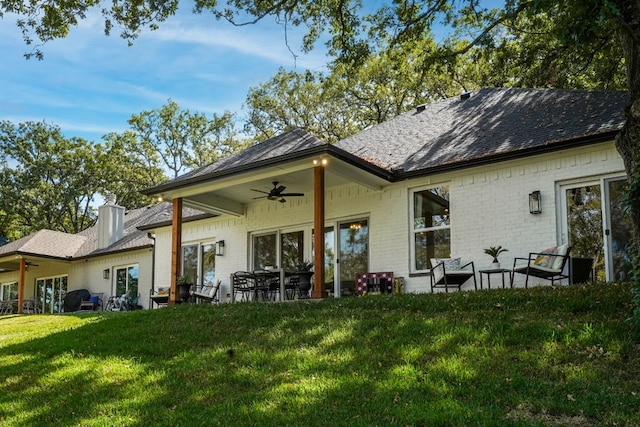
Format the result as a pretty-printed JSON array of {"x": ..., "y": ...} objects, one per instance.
[
  {"x": 445, "y": 179},
  {"x": 113, "y": 257},
  {"x": 448, "y": 178}
]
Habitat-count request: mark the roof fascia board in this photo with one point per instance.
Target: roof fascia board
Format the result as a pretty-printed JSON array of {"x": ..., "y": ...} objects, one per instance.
[
  {"x": 273, "y": 162},
  {"x": 550, "y": 147},
  {"x": 119, "y": 251}
]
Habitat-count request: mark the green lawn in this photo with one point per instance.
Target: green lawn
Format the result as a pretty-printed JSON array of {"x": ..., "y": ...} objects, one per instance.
[{"x": 544, "y": 356}]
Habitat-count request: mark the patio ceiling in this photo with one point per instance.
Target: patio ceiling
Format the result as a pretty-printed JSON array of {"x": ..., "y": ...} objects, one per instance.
[{"x": 229, "y": 194}]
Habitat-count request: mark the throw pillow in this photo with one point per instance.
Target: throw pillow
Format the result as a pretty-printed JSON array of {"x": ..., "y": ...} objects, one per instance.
[
  {"x": 450, "y": 264},
  {"x": 545, "y": 258}
]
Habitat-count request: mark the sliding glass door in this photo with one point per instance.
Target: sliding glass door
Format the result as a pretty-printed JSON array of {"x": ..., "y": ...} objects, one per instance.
[{"x": 596, "y": 228}]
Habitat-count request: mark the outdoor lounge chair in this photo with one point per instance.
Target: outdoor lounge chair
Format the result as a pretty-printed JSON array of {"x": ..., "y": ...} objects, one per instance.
[
  {"x": 548, "y": 264},
  {"x": 208, "y": 292},
  {"x": 451, "y": 273}
]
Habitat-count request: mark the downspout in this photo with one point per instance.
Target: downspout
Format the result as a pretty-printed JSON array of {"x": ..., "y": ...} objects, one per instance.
[{"x": 152, "y": 236}]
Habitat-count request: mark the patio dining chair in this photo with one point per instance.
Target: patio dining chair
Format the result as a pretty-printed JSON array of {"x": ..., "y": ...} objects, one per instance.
[
  {"x": 268, "y": 282},
  {"x": 451, "y": 273},
  {"x": 245, "y": 284},
  {"x": 548, "y": 264}
]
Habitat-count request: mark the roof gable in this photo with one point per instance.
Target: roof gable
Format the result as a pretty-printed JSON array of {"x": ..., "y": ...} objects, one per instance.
[{"x": 290, "y": 142}]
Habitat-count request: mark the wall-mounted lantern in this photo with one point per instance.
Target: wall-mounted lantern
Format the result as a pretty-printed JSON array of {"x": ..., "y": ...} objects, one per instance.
[
  {"x": 105, "y": 273},
  {"x": 220, "y": 248},
  {"x": 535, "y": 202}
]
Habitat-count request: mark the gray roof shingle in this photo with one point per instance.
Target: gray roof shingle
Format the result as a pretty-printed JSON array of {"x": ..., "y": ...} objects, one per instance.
[
  {"x": 490, "y": 122},
  {"x": 56, "y": 244},
  {"x": 293, "y": 141}
]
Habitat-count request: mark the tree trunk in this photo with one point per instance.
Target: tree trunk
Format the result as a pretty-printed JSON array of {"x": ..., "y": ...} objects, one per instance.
[{"x": 628, "y": 140}]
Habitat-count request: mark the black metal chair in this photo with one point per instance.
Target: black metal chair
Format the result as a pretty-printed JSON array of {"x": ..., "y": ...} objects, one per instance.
[
  {"x": 544, "y": 265},
  {"x": 245, "y": 285},
  {"x": 268, "y": 283},
  {"x": 451, "y": 273}
]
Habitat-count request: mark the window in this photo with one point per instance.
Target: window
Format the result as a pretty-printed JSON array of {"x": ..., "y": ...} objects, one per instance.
[
  {"x": 431, "y": 226},
  {"x": 9, "y": 291},
  {"x": 127, "y": 281},
  {"x": 264, "y": 251},
  {"x": 208, "y": 264},
  {"x": 282, "y": 249},
  {"x": 291, "y": 249},
  {"x": 199, "y": 263},
  {"x": 190, "y": 262},
  {"x": 50, "y": 293}
]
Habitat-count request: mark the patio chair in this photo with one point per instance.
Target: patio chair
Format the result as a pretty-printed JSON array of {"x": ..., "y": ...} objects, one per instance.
[
  {"x": 451, "y": 273},
  {"x": 244, "y": 284},
  {"x": 268, "y": 281},
  {"x": 548, "y": 264},
  {"x": 208, "y": 292},
  {"x": 95, "y": 301}
]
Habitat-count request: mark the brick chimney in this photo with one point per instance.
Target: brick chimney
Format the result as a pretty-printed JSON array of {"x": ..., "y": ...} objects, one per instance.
[{"x": 110, "y": 222}]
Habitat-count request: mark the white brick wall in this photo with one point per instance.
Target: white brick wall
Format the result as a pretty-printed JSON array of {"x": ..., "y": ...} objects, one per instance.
[{"x": 489, "y": 207}]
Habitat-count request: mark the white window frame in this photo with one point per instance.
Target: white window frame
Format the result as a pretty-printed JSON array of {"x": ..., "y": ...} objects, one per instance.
[{"x": 414, "y": 227}]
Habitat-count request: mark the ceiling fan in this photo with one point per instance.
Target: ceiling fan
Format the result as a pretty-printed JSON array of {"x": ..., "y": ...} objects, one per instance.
[{"x": 276, "y": 193}]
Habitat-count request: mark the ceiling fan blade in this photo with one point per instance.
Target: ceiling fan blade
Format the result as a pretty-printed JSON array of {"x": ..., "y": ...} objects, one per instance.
[
  {"x": 260, "y": 191},
  {"x": 260, "y": 197},
  {"x": 292, "y": 194},
  {"x": 280, "y": 189}
]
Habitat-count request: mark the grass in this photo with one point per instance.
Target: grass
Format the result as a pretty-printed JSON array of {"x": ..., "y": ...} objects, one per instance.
[{"x": 537, "y": 357}]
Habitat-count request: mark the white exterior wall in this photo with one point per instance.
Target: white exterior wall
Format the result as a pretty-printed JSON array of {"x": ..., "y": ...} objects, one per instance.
[
  {"x": 88, "y": 274},
  {"x": 489, "y": 206}
]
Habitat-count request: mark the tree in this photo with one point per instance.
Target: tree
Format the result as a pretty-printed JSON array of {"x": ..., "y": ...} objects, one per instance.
[
  {"x": 49, "y": 181},
  {"x": 182, "y": 140},
  {"x": 346, "y": 100},
  {"x": 587, "y": 29}
]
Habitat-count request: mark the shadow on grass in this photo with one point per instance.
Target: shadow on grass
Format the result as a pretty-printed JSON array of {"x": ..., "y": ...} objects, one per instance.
[{"x": 493, "y": 357}]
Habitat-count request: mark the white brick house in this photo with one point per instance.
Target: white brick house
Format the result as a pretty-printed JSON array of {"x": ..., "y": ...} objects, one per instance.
[
  {"x": 446, "y": 179},
  {"x": 484, "y": 153}
]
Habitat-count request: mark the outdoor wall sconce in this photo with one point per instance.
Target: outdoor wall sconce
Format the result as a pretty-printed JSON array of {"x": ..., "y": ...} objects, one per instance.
[
  {"x": 535, "y": 202},
  {"x": 105, "y": 273},
  {"x": 220, "y": 248}
]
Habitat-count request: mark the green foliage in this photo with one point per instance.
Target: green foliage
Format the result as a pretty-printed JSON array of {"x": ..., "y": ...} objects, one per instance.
[
  {"x": 304, "y": 265},
  {"x": 544, "y": 356},
  {"x": 182, "y": 140},
  {"x": 495, "y": 251},
  {"x": 49, "y": 181},
  {"x": 632, "y": 197}
]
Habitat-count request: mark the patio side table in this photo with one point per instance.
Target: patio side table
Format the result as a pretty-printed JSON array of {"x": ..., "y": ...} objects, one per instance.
[{"x": 490, "y": 271}]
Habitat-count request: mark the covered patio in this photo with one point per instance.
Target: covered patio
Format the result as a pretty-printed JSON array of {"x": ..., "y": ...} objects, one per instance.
[{"x": 296, "y": 160}]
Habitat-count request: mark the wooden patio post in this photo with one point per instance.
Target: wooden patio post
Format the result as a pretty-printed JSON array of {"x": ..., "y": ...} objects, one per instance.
[
  {"x": 23, "y": 268},
  {"x": 176, "y": 249},
  {"x": 318, "y": 235}
]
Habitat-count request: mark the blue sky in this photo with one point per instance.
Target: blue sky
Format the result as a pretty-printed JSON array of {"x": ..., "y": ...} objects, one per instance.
[{"x": 89, "y": 84}]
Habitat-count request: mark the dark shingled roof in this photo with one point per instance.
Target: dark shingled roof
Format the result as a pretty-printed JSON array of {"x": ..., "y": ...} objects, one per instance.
[
  {"x": 288, "y": 143},
  {"x": 488, "y": 124}
]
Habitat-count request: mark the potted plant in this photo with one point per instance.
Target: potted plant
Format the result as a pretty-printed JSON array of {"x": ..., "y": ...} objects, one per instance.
[
  {"x": 304, "y": 274},
  {"x": 184, "y": 286},
  {"x": 494, "y": 252}
]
